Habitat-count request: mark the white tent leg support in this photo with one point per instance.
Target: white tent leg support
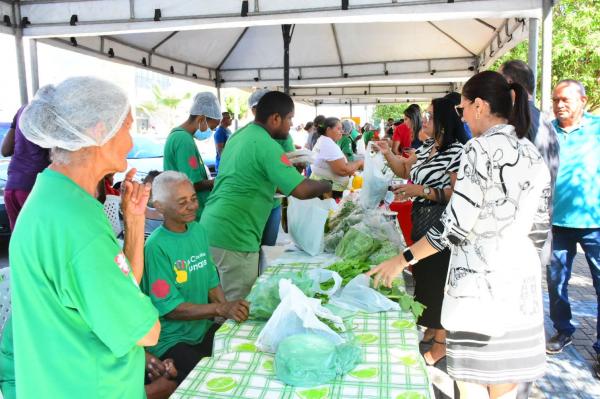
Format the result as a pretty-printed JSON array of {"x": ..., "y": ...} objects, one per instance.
[
  {"x": 21, "y": 66},
  {"x": 35, "y": 76},
  {"x": 532, "y": 56},
  {"x": 547, "y": 56}
]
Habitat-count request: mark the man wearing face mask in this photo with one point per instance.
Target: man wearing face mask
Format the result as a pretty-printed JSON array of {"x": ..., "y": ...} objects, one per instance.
[{"x": 181, "y": 153}]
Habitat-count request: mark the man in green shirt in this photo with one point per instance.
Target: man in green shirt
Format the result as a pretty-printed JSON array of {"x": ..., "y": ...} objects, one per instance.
[
  {"x": 271, "y": 231},
  {"x": 180, "y": 277},
  {"x": 252, "y": 168},
  {"x": 181, "y": 153}
]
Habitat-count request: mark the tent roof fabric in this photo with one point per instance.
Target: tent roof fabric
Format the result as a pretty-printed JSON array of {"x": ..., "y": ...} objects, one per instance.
[{"x": 385, "y": 42}]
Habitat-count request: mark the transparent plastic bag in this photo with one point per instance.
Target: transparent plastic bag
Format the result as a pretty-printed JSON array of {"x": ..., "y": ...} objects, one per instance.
[
  {"x": 321, "y": 277},
  {"x": 264, "y": 297},
  {"x": 377, "y": 177},
  {"x": 308, "y": 360},
  {"x": 306, "y": 223},
  {"x": 297, "y": 314},
  {"x": 357, "y": 295}
]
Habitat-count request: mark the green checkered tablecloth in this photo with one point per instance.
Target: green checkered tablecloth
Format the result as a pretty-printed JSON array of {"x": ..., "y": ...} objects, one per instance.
[{"x": 392, "y": 366}]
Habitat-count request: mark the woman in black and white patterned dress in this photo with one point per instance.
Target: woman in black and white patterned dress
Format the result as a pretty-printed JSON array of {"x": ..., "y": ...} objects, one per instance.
[
  {"x": 495, "y": 221},
  {"x": 432, "y": 175}
]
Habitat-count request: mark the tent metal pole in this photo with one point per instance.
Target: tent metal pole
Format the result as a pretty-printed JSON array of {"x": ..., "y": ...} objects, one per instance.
[
  {"x": 35, "y": 75},
  {"x": 21, "y": 67},
  {"x": 546, "y": 55},
  {"x": 351, "y": 108},
  {"x": 532, "y": 56},
  {"x": 287, "y": 38}
]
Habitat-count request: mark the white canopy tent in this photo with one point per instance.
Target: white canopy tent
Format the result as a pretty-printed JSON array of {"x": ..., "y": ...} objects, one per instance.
[{"x": 339, "y": 43}]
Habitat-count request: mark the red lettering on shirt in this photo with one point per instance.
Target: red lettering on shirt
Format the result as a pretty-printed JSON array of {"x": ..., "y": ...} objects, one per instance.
[
  {"x": 285, "y": 160},
  {"x": 160, "y": 288},
  {"x": 193, "y": 162}
]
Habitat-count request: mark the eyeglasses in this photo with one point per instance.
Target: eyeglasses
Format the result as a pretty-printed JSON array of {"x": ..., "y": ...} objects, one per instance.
[{"x": 459, "y": 110}]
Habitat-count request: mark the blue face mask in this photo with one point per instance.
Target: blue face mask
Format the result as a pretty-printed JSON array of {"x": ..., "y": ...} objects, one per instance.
[{"x": 203, "y": 134}]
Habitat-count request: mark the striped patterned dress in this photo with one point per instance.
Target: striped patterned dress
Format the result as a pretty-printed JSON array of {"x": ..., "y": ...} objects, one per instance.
[{"x": 495, "y": 225}]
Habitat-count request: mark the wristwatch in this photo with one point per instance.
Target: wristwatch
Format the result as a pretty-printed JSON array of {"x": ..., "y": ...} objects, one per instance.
[
  {"x": 408, "y": 255},
  {"x": 426, "y": 191}
]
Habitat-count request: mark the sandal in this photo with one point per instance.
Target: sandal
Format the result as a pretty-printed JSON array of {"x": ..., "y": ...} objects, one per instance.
[
  {"x": 427, "y": 355},
  {"x": 427, "y": 341}
]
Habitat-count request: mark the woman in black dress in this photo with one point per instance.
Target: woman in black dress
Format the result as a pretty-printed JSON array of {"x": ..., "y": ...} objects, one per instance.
[{"x": 432, "y": 171}]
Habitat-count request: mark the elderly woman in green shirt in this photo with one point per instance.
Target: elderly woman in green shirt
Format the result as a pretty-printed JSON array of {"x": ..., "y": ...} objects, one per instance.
[{"x": 74, "y": 290}]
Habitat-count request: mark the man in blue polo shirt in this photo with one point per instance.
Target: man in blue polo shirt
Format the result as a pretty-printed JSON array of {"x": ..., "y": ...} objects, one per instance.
[
  {"x": 222, "y": 134},
  {"x": 576, "y": 218}
]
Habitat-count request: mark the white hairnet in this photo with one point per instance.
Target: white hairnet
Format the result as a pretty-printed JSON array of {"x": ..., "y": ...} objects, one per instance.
[
  {"x": 347, "y": 126},
  {"x": 206, "y": 104},
  {"x": 256, "y": 96},
  {"x": 79, "y": 112}
]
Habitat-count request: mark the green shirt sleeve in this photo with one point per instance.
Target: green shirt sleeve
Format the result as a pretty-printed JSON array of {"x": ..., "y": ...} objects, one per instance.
[
  {"x": 103, "y": 291},
  {"x": 278, "y": 168},
  {"x": 213, "y": 279},
  {"x": 185, "y": 157},
  {"x": 345, "y": 144},
  {"x": 287, "y": 144},
  {"x": 160, "y": 280}
]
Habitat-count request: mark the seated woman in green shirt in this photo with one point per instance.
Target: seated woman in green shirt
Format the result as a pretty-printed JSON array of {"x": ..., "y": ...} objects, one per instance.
[
  {"x": 79, "y": 318},
  {"x": 330, "y": 162},
  {"x": 181, "y": 279}
]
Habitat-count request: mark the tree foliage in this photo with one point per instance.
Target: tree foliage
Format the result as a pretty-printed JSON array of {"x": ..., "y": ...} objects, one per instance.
[
  {"x": 163, "y": 105},
  {"x": 575, "y": 47},
  {"x": 395, "y": 111},
  {"x": 242, "y": 103}
]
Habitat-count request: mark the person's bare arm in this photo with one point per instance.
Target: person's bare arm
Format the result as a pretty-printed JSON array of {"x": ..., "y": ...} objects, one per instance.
[
  {"x": 8, "y": 144},
  {"x": 134, "y": 200},
  {"x": 151, "y": 338},
  {"x": 311, "y": 189},
  {"x": 217, "y": 295},
  {"x": 220, "y": 147},
  {"x": 343, "y": 168},
  {"x": 236, "y": 310},
  {"x": 399, "y": 165},
  {"x": 396, "y": 147}
]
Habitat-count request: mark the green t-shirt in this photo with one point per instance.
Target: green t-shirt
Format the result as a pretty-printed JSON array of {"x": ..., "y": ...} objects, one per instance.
[
  {"x": 77, "y": 311},
  {"x": 354, "y": 134},
  {"x": 251, "y": 169},
  {"x": 178, "y": 268},
  {"x": 288, "y": 146},
  {"x": 345, "y": 144},
  {"x": 368, "y": 136},
  {"x": 182, "y": 155},
  {"x": 7, "y": 362}
]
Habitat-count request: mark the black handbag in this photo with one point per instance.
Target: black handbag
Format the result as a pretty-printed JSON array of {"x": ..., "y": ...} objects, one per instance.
[{"x": 424, "y": 215}]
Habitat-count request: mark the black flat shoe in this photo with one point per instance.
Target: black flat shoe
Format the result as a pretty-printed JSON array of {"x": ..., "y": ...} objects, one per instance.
[{"x": 557, "y": 343}]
